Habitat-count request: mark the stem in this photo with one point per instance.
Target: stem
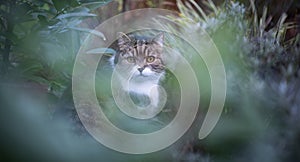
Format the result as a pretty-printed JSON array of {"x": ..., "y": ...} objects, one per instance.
[
  {"x": 7, "y": 47},
  {"x": 6, "y": 52},
  {"x": 8, "y": 43},
  {"x": 124, "y": 5}
]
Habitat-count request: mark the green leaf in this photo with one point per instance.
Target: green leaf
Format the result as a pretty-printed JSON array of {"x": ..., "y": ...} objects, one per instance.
[
  {"x": 62, "y": 4},
  {"x": 80, "y": 14},
  {"x": 11, "y": 36},
  {"x": 74, "y": 3},
  {"x": 94, "y": 5},
  {"x": 42, "y": 19},
  {"x": 95, "y": 32},
  {"x": 59, "y": 4},
  {"x": 101, "y": 51}
]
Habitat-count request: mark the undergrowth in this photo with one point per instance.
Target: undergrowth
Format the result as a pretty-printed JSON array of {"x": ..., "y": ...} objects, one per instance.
[{"x": 263, "y": 93}]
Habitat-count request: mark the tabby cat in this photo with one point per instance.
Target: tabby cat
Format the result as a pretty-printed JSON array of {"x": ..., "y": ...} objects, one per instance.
[{"x": 141, "y": 60}]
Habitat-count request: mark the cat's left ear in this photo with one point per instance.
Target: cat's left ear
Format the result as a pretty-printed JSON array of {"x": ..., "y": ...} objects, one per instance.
[{"x": 159, "y": 39}]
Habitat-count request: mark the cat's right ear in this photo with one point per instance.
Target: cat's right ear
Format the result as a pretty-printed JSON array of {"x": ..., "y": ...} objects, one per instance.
[
  {"x": 123, "y": 40},
  {"x": 159, "y": 39}
]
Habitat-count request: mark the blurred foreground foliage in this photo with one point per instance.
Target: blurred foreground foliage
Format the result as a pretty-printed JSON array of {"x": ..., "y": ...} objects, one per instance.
[
  {"x": 263, "y": 93},
  {"x": 40, "y": 38}
]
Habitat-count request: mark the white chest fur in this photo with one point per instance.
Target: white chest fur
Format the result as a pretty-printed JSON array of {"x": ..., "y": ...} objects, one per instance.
[{"x": 143, "y": 85}]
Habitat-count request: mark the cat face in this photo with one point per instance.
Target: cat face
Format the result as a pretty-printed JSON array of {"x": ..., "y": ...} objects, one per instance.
[{"x": 141, "y": 56}]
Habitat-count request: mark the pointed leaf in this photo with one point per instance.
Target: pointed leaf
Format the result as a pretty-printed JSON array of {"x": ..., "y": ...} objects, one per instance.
[
  {"x": 101, "y": 51},
  {"x": 81, "y": 14},
  {"x": 95, "y": 32}
]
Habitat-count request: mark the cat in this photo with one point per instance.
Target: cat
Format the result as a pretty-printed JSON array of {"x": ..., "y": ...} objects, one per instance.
[
  {"x": 136, "y": 54},
  {"x": 140, "y": 59}
]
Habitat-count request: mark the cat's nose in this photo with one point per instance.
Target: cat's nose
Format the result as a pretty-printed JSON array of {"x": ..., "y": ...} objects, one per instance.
[{"x": 141, "y": 69}]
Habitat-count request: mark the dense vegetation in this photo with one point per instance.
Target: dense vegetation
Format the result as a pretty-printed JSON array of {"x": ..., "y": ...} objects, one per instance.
[{"x": 259, "y": 43}]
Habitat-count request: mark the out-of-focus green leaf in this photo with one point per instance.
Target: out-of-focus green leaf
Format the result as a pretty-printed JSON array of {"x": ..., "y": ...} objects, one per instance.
[
  {"x": 59, "y": 4},
  {"x": 74, "y": 3},
  {"x": 62, "y": 4},
  {"x": 101, "y": 51},
  {"x": 22, "y": 9},
  {"x": 91, "y": 31},
  {"x": 38, "y": 79},
  {"x": 95, "y": 5},
  {"x": 11, "y": 36},
  {"x": 75, "y": 14},
  {"x": 41, "y": 3},
  {"x": 42, "y": 19}
]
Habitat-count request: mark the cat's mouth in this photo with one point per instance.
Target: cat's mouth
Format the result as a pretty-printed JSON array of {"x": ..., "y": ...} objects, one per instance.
[{"x": 142, "y": 75}]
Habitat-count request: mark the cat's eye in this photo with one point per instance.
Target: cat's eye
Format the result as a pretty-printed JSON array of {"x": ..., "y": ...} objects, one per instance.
[
  {"x": 150, "y": 59},
  {"x": 130, "y": 59}
]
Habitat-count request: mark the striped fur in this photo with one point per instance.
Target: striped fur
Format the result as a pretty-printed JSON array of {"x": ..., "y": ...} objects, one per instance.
[
  {"x": 140, "y": 66},
  {"x": 139, "y": 49}
]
